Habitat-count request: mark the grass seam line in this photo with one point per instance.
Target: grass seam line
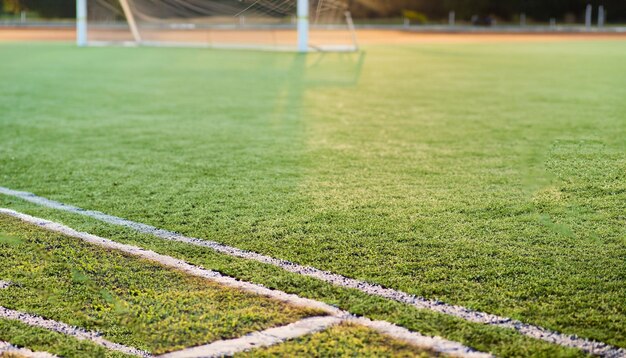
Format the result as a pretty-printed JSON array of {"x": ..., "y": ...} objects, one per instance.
[
  {"x": 259, "y": 339},
  {"x": 64, "y": 328},
  {"x": 6, "y": 347},
  {"x": 529, "y": 330},
  {"x": 442, "y": 345}
]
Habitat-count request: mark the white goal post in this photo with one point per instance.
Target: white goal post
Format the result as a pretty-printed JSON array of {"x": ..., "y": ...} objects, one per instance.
[
  {"x": 303, "y": 25},
  {"x": 249, "y": 24}
]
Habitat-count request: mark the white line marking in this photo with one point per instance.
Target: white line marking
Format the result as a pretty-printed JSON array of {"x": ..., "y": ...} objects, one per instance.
[
  {"x": 312, "y": 325},
  {"x": 437, "y": 344},
  {"x": 64, "y": 328},
  {"x": 246, "y": 286},
  {"x": 537, "y": 332},
  {"x": 308, "y": 326},
  {"x": 4, "y": 284},
  {"x": 259, "y": 339},
  {"x": 6, "y": 347}
]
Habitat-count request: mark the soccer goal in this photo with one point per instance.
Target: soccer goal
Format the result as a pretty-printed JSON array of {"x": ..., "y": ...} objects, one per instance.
[{"x": 290, "y": 25}]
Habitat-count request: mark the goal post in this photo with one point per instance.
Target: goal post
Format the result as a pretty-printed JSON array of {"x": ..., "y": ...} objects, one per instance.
[
  {"x": 303, "y": 25},
  {"x": 81, "y": 23},
  {"x": 285, "y": 25},
  {"x": 130, "y": 18}
]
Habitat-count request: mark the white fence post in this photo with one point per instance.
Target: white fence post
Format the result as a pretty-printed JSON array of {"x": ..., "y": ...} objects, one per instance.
[
  {"x": 588, "y": 14},
  {"x": 601, "y": 16}
]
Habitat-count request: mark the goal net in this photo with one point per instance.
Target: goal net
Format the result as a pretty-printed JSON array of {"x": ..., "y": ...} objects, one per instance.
[{"x": 322, "y": 25}]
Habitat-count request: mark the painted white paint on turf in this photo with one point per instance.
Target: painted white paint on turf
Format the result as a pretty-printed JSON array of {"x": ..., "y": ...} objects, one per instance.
[
  {"x": 443, "y": 345},
  {"x": 64, "y": 328},
  {"x": 4, "y": 284},
  {"x": 258, "y": 339},
  {"x": 573, "y": 341},
  {"x": 6, "y": 347},
  {"x": 437, "y": 344},
  {"x": 312, "y": 325}
]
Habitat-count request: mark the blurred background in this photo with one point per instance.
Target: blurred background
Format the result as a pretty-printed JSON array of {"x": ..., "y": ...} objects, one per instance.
[{"x": 393, "y": 12}]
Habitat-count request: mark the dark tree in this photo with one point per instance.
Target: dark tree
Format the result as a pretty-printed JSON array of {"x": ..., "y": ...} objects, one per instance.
[
  {"x": 540, "y": 10},
  {"x": 51, "y": 8}
]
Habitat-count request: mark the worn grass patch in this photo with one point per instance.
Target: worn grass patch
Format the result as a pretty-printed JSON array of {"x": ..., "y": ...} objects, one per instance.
[
  {"x": 131, "y": 301},
  {"x": 345, "y": 340}
]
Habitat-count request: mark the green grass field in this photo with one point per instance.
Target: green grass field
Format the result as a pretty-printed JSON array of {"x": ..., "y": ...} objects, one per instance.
[
  {"x": 342, "y": 341},
  {"x": 491, "y": 176},
  {"x": 132, "y": 302}
]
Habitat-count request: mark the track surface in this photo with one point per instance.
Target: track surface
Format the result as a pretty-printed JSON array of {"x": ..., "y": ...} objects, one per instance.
[{"x": 366, "y": 37}]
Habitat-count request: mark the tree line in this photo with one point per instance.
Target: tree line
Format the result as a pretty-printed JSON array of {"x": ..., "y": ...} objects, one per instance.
[
  {"x": 508, "y": 10},
  {"x": 434, "y": 10}
]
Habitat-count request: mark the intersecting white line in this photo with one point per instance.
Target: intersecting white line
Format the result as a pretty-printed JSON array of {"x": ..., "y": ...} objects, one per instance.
[
  {"x": 537, "y": 332},
  {"x": 266, "y": 338},
  {"x": 432, "y": 343},
  {"x": 64, "y": 328},
  {"x": 6, "y": 347}
]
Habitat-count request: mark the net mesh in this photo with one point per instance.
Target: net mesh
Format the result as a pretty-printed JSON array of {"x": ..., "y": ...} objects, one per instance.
[{"x": 267, "y": 24}]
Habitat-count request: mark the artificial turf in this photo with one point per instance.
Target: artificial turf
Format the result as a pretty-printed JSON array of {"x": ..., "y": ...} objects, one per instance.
[
  {"x": 39, "y": 339},
  {"x": 130, "y": 301},
  {"x": 502, "y": 342},
  {"x": 342, "y": 341},
  {"x": 490, "y": 176}
]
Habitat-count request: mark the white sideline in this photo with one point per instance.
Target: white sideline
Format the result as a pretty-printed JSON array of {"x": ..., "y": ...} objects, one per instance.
[
  {"x": 64, "y": 328},
  {"x": 6, "y": 347},
  {"x": 438, "y": 343},
  {"x": 537, "y": 332},
  {"x": 266, "y": 338}
]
